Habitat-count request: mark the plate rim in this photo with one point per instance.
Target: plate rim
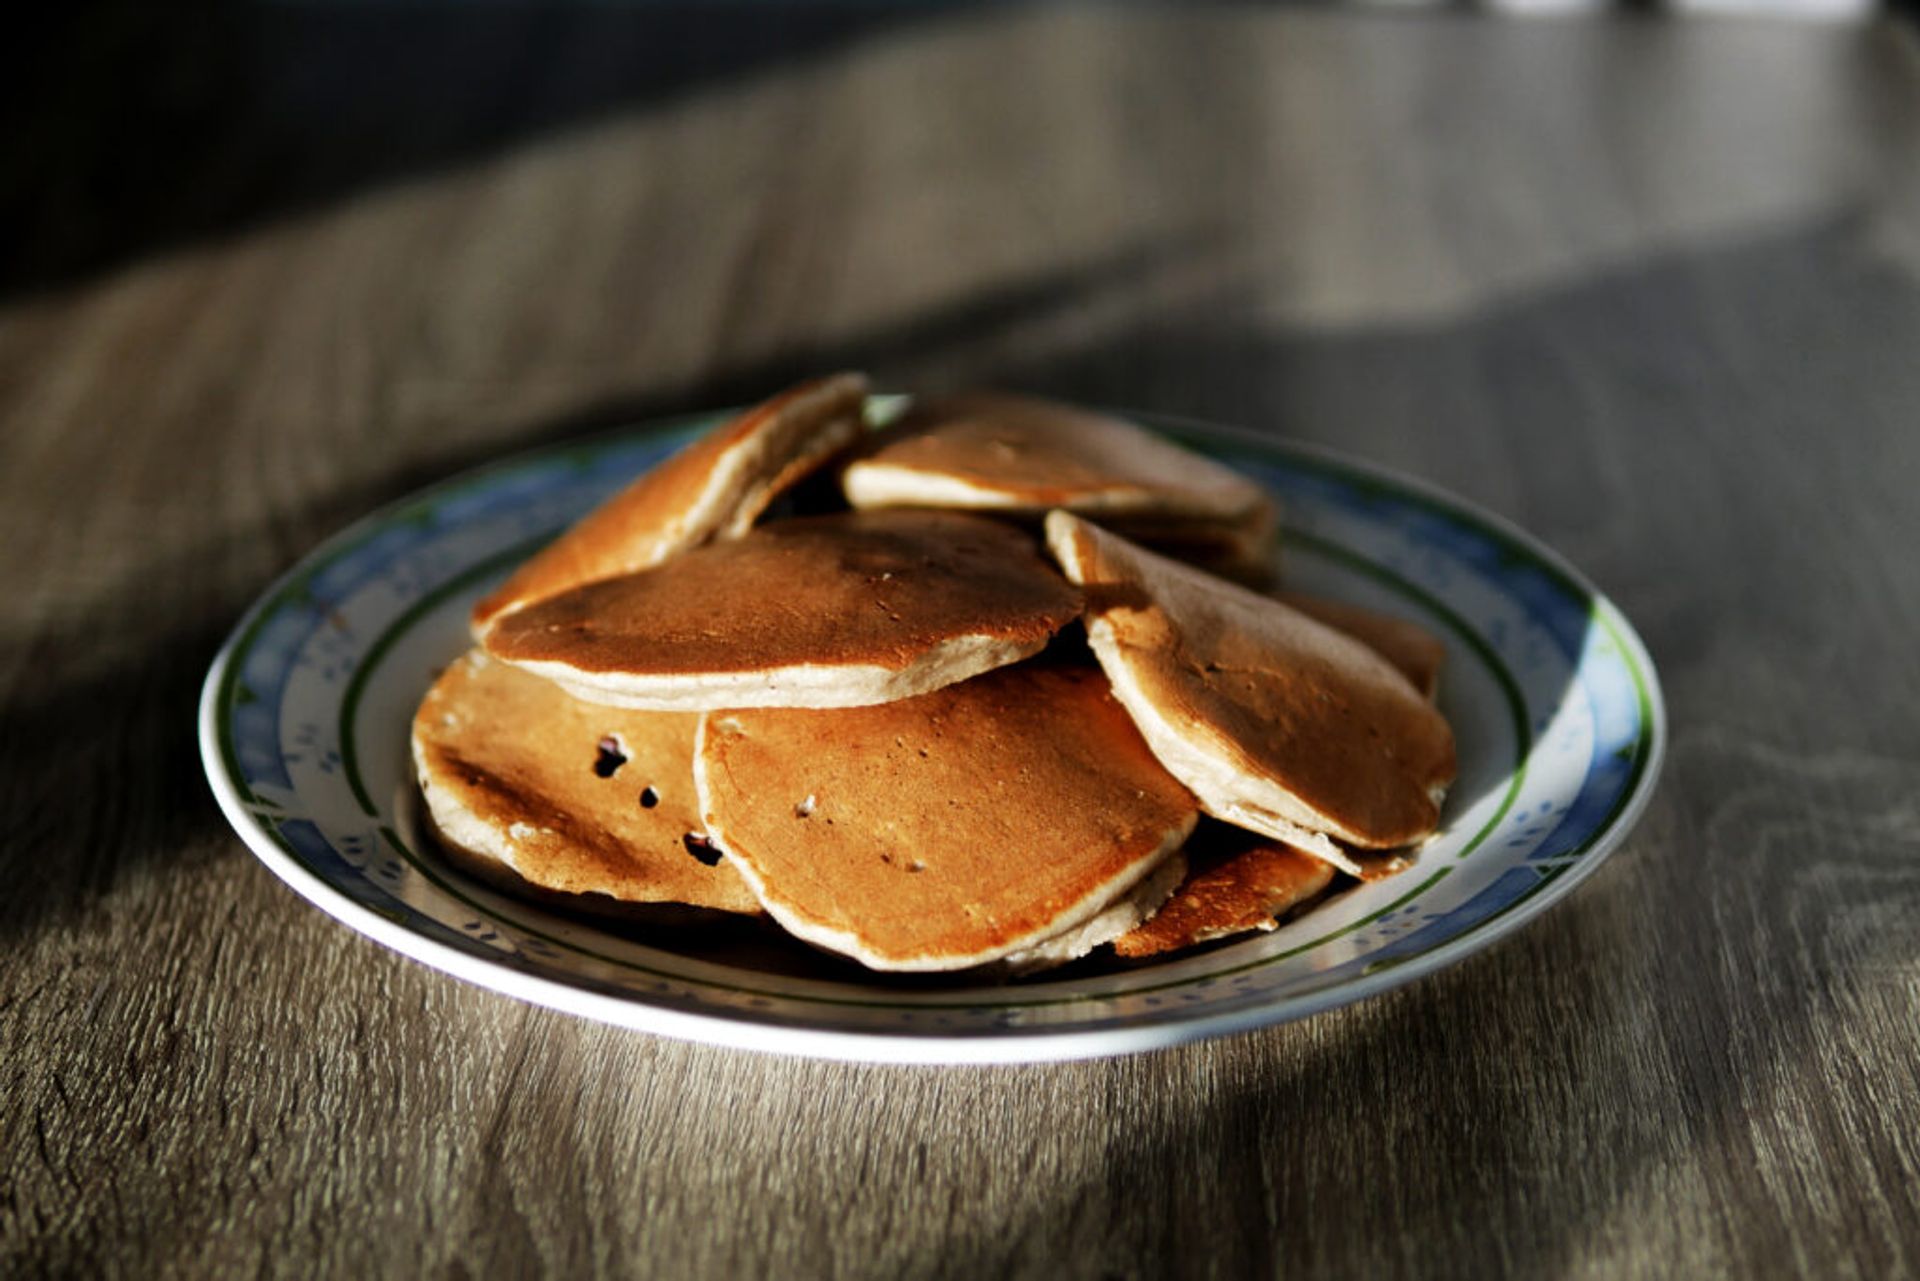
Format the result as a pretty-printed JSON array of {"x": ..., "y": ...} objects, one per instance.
[{"x": 729, "y": 1029}]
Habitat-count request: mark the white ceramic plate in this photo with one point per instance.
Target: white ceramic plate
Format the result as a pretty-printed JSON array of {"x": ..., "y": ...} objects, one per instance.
[{"x": 305, "y": 713}]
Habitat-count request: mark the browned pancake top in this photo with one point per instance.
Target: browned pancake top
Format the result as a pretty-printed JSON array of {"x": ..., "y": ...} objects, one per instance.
[
  {"x": 1410, "y": 647},
  {"x": 860, "y": 588},
  {"x": 1037, "y": 454},
  {"x": 943, "y": 825},
  {"x": 1274, "y": 693},
  {"x": 1241, "y": 881},
  {"x": 520, "y": 756},
  {"x": 656, "y": 516}
]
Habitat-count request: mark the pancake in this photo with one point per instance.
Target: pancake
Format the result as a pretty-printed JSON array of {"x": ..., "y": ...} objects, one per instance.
[
  {"x": 819, "y": 611},
  {"x": 715, "y": 487},
  {"x": 1018, "y": 454},
  {"x": 966, "y": 826},
  {"x": 1244, "y": 550},
  {"x": 1417, "y": 652},
  {"x": 1112, "y": 923},
  {"x": 527, "y": 784},
  {"x": 1277, "y": 722},
  {"x": 1238, "y": 883}
]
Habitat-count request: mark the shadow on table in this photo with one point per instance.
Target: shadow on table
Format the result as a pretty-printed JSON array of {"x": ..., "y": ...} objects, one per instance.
[{"x": 135, "y": 128}]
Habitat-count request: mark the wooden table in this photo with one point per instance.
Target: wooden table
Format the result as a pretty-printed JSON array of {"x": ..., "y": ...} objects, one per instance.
[{"x": 1651, "y": 290}]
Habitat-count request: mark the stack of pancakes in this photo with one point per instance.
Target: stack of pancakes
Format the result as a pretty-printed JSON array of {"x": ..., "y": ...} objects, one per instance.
[{"x": 1028, "y": 694}]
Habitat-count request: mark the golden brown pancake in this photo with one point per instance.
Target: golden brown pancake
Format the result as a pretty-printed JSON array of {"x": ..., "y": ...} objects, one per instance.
[
  {"x": 1241, "y": 882},
  {"x": 716, "y": 486},
  {"x": 1280, "y": 724},
  {"x": 564, "y": 795},
  {"x": 1417, "y": 652},
  {"x": 1006, "y": 453},
  {"x": 820, "y": 611},
  {"x": 969, "y": 825}
]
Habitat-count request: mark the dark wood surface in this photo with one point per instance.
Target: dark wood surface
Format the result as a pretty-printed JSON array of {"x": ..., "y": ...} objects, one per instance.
[{"x": 1653, "y": 291}]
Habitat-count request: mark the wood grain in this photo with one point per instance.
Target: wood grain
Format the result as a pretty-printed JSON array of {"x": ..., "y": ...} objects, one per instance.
[{"x": 1651, "y": 290}]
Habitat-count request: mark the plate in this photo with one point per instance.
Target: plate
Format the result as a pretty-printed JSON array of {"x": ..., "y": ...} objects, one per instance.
[{"x": 304, "y": 731}]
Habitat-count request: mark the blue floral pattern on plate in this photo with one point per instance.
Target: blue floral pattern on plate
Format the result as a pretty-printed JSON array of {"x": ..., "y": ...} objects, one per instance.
[{"x": 1553, "y": 699}]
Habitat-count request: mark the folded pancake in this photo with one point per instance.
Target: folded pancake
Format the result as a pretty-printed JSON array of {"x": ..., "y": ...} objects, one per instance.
[
  {"x": 1277, "y": 722},
  {"x": 970, "y": 825},
  {"x": 820, "y": 611},
  {"x": 715, "y": 487},
  {"x": 1237, "y": 882},
  {"x": 1417, "y": 652},
  {"x": 1019, "y": 454},
  {"x": 529, "y": 786}
]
